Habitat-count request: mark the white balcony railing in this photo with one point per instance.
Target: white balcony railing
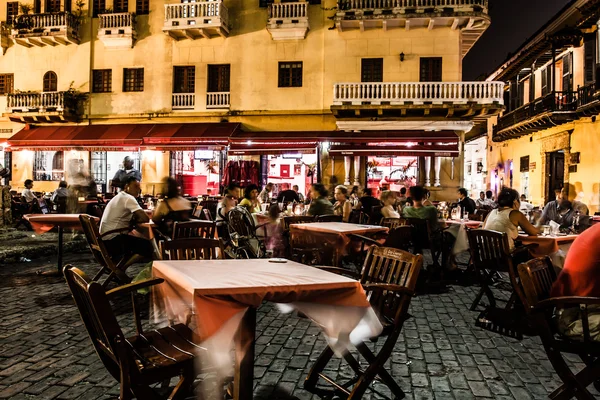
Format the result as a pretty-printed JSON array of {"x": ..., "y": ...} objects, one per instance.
[
  {"x": 116, "y": 21},
  {"x": 345, "y": 5},
  {"x": 397, "y": 93},
  {"x": 42, "y": 102},
  {"x": 183, "y": 101},
  {"x": 288, "y": 10},
  {"x": 46, "y": 27},
  {"x": 217, "y": 100},
  {"x": 199, "y": 15}
]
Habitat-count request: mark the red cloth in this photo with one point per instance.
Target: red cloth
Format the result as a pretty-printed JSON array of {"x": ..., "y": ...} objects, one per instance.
[{"x": 582, "y": 266}]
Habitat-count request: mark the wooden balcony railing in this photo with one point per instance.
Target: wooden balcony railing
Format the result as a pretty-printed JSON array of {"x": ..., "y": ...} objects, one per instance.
[
  {"x": 183, "y": 101},
  {"x": 41, "y": 102},
  {"x": 348, "y": 5},
  {"x": 217, "y": 100},
  {"x": 395, "y": 93},
  {"x": 288, "y": 10},
  {"x": 117, "y": 20}
]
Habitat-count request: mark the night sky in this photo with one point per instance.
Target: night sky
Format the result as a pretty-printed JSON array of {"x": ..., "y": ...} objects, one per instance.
[{"x": 513, "y": 21}]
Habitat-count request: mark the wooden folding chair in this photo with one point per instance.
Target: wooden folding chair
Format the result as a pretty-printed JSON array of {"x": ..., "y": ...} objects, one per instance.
[
  {"x": 310, "y": 249},
  {"x": 389, "y": 277},
  {"x": 198, "y": 228},
  {"x": 537, "y": 277},
  {"x": 114, "y": 268},
  {"x": 329, "y": 218},
  {"x": 194, "y": 248},
  {"x": 141, "y": 360},
  {"x": 392, "y": 222},
  {"x": 286, "y": 222}
]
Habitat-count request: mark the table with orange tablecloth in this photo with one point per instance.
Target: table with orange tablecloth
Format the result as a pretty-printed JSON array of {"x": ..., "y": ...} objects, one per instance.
[
  {"x": 554, "y": 246},
  {"x": 222, "y": 296},
  {"x": 42, "y": 223}
]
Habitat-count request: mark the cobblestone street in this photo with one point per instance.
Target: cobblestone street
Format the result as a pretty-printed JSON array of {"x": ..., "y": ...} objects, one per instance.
[{"x": 45, "y": 352}]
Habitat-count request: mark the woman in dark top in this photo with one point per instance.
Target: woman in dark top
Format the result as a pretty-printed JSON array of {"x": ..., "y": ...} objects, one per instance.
[{"x": 320, "y": 204}]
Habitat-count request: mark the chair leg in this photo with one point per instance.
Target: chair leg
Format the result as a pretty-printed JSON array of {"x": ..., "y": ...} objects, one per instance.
[
  {"x": 310, "y": 383},
  {"x": 383, "y": 374},
  {"x": 571, "y": 385},
  {"x": 184, "y": 386}
]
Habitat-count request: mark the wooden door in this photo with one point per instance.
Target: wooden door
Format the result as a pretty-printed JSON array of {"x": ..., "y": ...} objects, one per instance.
[{"x": 555, "y": 173}]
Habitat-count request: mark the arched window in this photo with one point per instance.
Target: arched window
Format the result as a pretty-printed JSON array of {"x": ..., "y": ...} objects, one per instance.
[{"x": 50, "y": 82}]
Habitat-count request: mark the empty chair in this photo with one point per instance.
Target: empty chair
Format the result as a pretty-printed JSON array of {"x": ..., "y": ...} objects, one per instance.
[
  {"x": 192, "y": 249},
  {"x": 198, "y": 228}
]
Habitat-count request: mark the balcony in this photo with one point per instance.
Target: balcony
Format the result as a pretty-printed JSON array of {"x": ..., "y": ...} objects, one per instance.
[
  {"x": 588, "y": 100},
  {"x": 468, "y": 16},
  {"x": 117, "y": 31},
  {"x": 45, "y": 107},
  {"x": 45, "y": 29},
  {"x": 553, "y": 109},
  {"x": 217, "y": 100},
  {"x": 183, "y": 101},
  {"x": 204, "y": 19},
  {"x": 288, "y": 21}
]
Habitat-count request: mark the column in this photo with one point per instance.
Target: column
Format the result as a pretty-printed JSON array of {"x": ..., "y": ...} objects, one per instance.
[
  {"x": 427, "y": 171},
  {"x": 357, "y": 163},
  {"x": 436, "y": 171},
  {"x": 421, "y": 175},
  {"x": 347, "y": 165}
]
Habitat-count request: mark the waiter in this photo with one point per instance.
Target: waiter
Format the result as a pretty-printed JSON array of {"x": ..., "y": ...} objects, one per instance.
[{"x": 127, "y": 171}]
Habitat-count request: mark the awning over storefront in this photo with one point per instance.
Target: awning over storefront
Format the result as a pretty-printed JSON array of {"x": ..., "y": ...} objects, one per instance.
[
  {"x": 274, "y": 148},
  {"x": 190, "y": 136},
  {"x": 392, "y": 150},
  {"x": 344, "y": 137}
]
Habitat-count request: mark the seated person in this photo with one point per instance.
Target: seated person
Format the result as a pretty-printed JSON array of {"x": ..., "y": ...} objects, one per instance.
[
  {"x": 507, "y": 218},
  {"x": 426, "y": 201},
  {"x": 250, "y": 201},
  {"x": 418, "y": 210},
  {"x": 402, "y": 199},
  {"x": 226, "y": 204},
  {"x": 123, "y": 211},
  {"x": 558, "y": 211},
  {"x": 288, "y": 195},
  {"x": 296, "y": 189},
  {"x": 27, "y": 193},
  {"x": 388, "y": 198},
  {"x": 61, "y": 193},
  {"x": 172, "y": 208},
  {"x": 579, "y": 277},
  {"x": 320, "y": 204},
  {"x": 342, "y": 206},
  {"x": 480, "y": 202},
  {"x": 368, "y": 201},
  {"x": 526, "y": 206},
  {"x": 489, "y": 200},
  {"x": 465, "y": 202}
]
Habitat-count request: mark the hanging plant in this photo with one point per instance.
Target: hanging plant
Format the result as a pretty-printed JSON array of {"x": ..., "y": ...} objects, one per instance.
[{"x": 211, "y": 166}]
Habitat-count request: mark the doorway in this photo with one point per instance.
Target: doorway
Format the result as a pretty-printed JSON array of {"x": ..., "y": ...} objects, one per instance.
[{"x": 555, "y": 172}]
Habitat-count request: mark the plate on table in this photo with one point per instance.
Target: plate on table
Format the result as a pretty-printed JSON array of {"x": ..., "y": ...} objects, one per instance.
[{"x": 278, "y": 260}]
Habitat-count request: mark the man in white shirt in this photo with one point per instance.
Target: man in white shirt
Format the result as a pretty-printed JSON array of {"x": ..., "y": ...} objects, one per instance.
[
  {"x": 121, "y": 213},
  {"x": 27, "y": 193}
]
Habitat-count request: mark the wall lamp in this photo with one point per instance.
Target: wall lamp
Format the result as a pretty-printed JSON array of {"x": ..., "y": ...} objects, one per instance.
[{"x": 402, "y": 57}]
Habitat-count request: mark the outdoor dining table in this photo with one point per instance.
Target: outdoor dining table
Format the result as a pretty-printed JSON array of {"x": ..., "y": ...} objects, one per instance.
[
  {"x": 336, "y": 234},
  {"x": 458, "y": 229},
  {"x": 221, "y": 297},
  {"x": 554, "y": 246},
  {"x": 42, "y": 223}
]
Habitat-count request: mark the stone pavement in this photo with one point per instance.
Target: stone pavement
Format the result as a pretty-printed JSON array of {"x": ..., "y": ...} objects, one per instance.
[{"x": 45, "y": 352}]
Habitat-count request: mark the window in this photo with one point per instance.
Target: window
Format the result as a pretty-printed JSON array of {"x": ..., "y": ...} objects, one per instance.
[
  {"x": 142, "y": 7},
  {"x": 50, "y": 82},
  {"x": 265, "y": 3},
  {"x": 37, "y": 6},
  {"x": 6, "y": 83},
  {"x": 567, "y": 81},
  {"x": 102, "y": 81},
  {"x": 290, "y": 74},
  {"x": 371, "y": 70},
  {"x": 52, "y": 6},
  {"x": 524, "y": 164},
  {"x": 133, "y": 79},
  {"x": 121, "y": 6},
  {"x": 184, "y": 79},
  {"x": 48, "y": 166},
  {"x": 590, "y": 59},
  {"x": 99, "y": 7},
  {"x": 68, "y": 5},
  {"x": 431, "y": 69},
  {"x": 12, "y": 10},
  {"x": 547, "y": 80},
  {"x": 218, "y": 78}
]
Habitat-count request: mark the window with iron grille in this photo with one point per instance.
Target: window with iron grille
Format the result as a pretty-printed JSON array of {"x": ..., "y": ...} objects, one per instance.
[
  {"x": 133, "y": 79},
  {"x": 431, "y": 69},
  {"x": 6, "y": 83},
  {"x": 184, "y": 79},
  {"x": 12, "y": 10},
  {"x": 102, "y": 81},
  {"x": 50, "y": 82},
  {"x": 142, "y": 7},
  {"x": 121, "y": 6},
  {"x": 48, "y": 166},
  {"x": 218, "y": 78},
  {"x": 371, "y": 70},
  {"x": 52, "y": 6},
  {"x": 524, "y": 164},
  {"x": 290, "y": 74}
]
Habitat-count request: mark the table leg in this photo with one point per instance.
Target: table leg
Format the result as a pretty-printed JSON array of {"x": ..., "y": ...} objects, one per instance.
[
  {"x": 244, "y": 357},
  {"x": 60, "y": 250}
]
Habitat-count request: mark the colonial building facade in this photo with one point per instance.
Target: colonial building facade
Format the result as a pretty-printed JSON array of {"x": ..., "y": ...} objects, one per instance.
[
  {"x": 84, "y": 82},
  {"x": 549, "y": 135}
]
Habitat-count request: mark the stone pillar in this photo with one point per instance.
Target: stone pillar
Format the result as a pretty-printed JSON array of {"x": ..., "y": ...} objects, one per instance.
[
  {"x": 436, "y": 171},
  {"x": 347, "y": 165},
  {"x": 357, "y": 163},
  {"x": 427, "y": 171}
]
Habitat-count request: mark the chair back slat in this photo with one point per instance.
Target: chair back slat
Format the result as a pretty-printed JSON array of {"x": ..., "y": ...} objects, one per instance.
[
  {"x": 537, "y": 277},
  {"x": 92, "y": 234},
  {"x": 489, "y": 250},
  {"x": 189, "y": 229},
  {"x": 330, "y": 218},
  {"x": 392, "y": 223},
  {"x": 400, "y": 237},
  {"x": 207, "y": 215},
  {"x": 192, "y": 249},
  {"x": 297, "y": 219}
]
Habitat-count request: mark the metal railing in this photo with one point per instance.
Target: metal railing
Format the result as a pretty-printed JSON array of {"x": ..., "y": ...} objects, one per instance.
[
  {"x": 117, "y": 20},
  {"x": 217, "y": 100},
  {"x": 418, "y": 92},
  {"x": 183, "y": 101},
  {"x": 586, "y": 94},
  {"x": 288, "y": 10},
  {"x": 39, "y": 24},
  {"x": 36, "y": 101},
  {"x": 346, "y": 5},
  {"x": 202, "y": 9}
]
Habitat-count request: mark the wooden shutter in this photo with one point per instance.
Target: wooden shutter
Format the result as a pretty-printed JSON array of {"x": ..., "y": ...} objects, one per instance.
[
  {"x": 218, "y": 78},
  {"x": 372, "y": 70},
  {"x": 431, "y": 69},
  {"x": 590, "y": 59}
]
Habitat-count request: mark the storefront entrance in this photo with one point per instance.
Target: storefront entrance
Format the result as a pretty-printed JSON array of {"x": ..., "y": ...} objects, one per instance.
[
  {"x": 391, "y": 173},
  {"x": 196, "y": 171}
]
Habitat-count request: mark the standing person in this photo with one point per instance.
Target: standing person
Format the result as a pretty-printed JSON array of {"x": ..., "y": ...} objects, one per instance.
[
  {"x": 264, "y": 195},
  {"x": 121, "y": 212},
  {"x": 465, "y": 202},
  {"x": 480, "y": 202},
  {"x": 320, "y": 204},
  {"x": 124, "y": 173},
  {"x": 250, "y": 201},
  {"x": 287, "y": 195},
  {"x": 388, "y": 198},
  {"x": 296, "y": 189},
  {"x": 342, "y": 206},
  {"x": 172, "y": 208}
]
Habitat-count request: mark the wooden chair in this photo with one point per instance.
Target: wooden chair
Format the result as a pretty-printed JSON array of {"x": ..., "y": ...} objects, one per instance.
[
  {"x": 400, "y": 238},
  {"x": 114, "y": 268},
  {"x": 139, "y": 361},
  {"x": 329, "y": 218},
  {"x": 197, "y": 213},
  {"x": 392, "y": 222},
  {"x": 389, "y": 277},
  {"x": 423, "y": 239},
  {"x": 375, "y": 215},
  {"x": 243, "y": 231},
  {"x": 194, "y": 248},
  {"x": 298, "y": 219},
  {"x": 537, "y": 277},
  {"x": 310, "y": 249},
  {"x": 211, "y": 206},
  {"x": 207, "y": 215},
  {"x": 197, "y": 228}
]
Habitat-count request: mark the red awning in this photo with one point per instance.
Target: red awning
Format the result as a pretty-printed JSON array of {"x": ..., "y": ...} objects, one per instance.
[
  {"x": 272, "y": 148},
  {"x": 344, "y": 137},
  {"x": 391, "y": 150},
  {"x": 189, "y": 136}
]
